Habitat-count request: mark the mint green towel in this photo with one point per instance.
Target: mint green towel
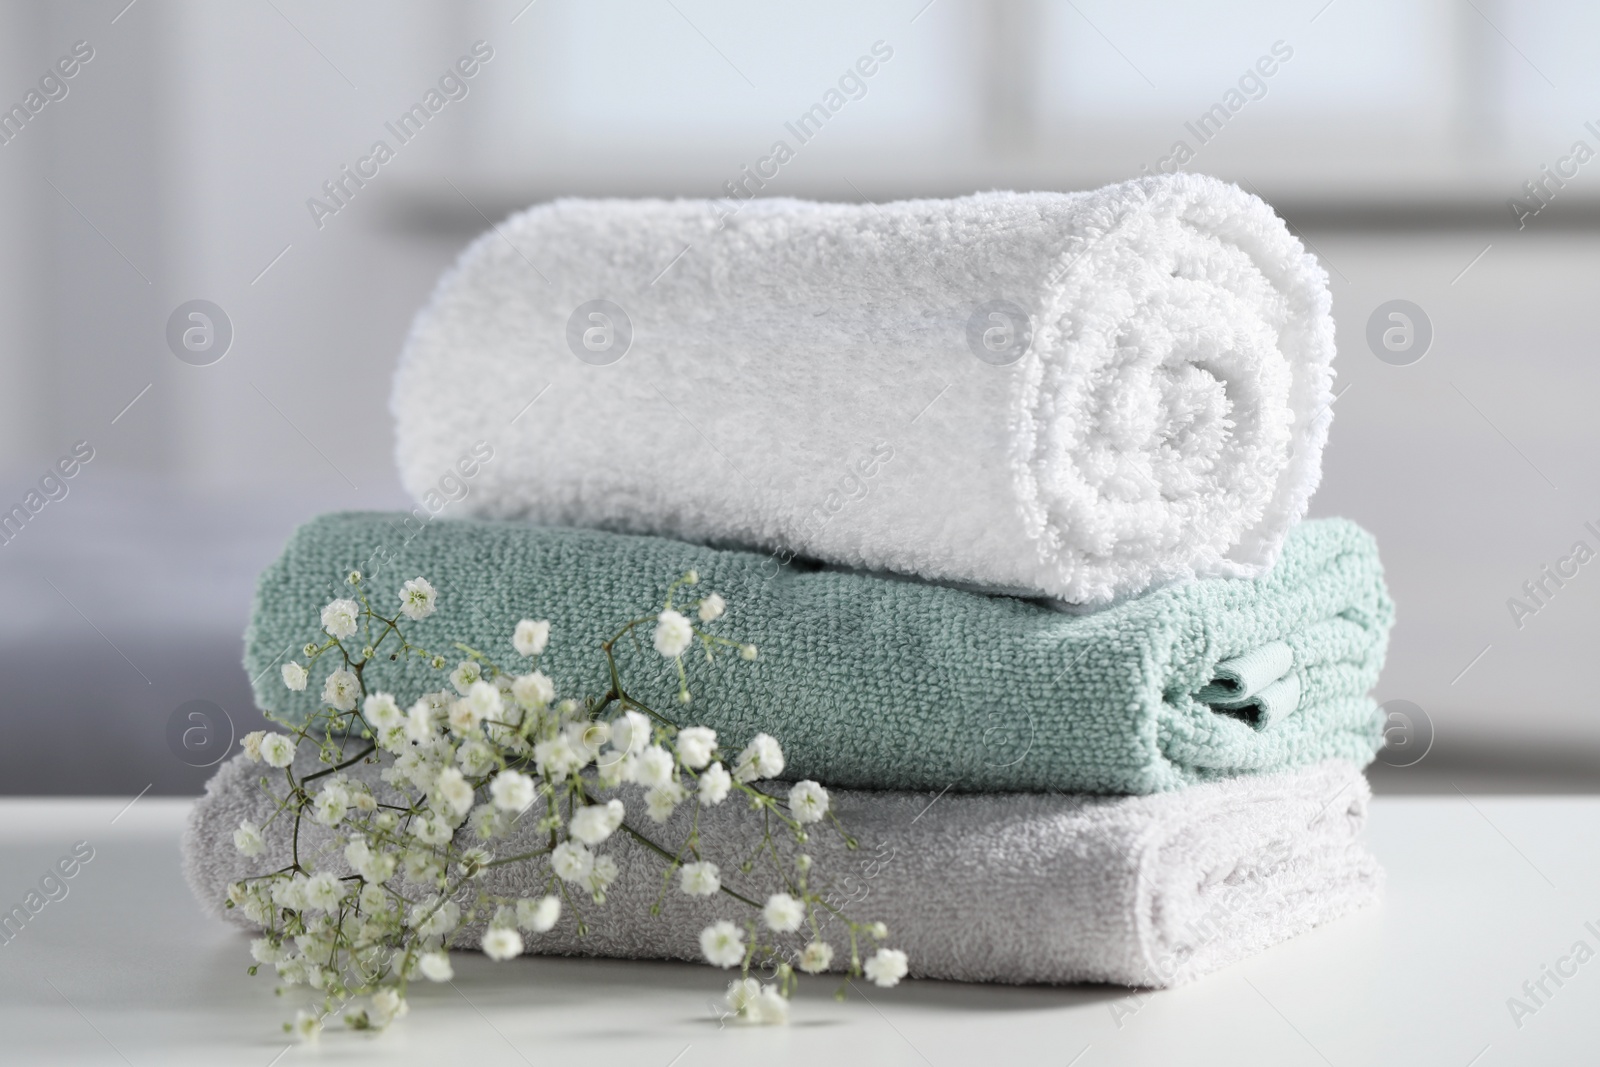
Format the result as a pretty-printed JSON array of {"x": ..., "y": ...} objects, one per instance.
[{"x": 879, "y": 682}]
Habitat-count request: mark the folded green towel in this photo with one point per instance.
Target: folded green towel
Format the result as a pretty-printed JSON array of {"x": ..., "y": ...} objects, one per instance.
[{"x": 879, "y": 682}]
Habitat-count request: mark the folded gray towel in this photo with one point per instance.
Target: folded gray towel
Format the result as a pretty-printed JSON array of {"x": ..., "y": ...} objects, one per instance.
[{"x": 1138, "y": 890}]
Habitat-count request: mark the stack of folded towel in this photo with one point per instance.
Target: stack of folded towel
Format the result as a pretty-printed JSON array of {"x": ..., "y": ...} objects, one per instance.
[{"x": 1042, "y": 612}]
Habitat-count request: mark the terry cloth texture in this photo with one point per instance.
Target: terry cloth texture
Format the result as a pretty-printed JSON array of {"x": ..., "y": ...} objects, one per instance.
[
  {"x": 1139, "y": 891},
  {"x": 876, "y": 682},
  {"x": 1073, "y": 395}
]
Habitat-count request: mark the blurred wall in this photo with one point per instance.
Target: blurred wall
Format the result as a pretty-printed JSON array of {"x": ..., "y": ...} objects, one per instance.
[{"x": 179, "y": 164}]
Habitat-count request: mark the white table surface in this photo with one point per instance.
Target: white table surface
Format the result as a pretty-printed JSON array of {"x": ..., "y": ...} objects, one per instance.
[{"x": 1483, "y": 892}]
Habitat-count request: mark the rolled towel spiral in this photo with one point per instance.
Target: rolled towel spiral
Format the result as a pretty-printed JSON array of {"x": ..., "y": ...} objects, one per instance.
[{"x": 1076, "y": 396}]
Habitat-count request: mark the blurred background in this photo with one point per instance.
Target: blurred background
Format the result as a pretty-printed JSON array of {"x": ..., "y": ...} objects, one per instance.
[{"x": 1426, "y": 150}]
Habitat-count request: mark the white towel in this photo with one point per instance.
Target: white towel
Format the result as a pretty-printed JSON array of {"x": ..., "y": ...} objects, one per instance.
[
  {"x": 832, "y": 381},
  {"x": 1139, "y": 890}
]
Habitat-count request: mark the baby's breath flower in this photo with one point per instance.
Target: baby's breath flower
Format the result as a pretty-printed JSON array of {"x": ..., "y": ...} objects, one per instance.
[
  {"x": 251, "y": 743},
  {"x": 387, "y": 1005},
  {"x": 654, "y": 767},
  {"x": 382, "y": 712},
  {"x": 464, "y": 717},
  {"x": 747, "y": 652},
  {"x": 502, "y": 943},
  {"x": 695, "y": 745},
  {"x": 435, "y": 966},
  {"x": 741, "y": 991},
  {"x": 700, "y": 879},
  {"x": 340, "y": 618},
  {"x": 420, "y": 721},
  {"x": 306, "y": 1026},
  {"x": 540, "y": 915},
  {"x": 558, "y": 758},
  {"x": 783, "y": 913},
  {"x": 322, "y": 890},
  {"x": 630, "y": 732},
  {"x": 886, "y": 967},
  {"x": 484, "y": 697},
  {"x": 475, "y": 757},
  {"x": 673, "y": 634},
  {"x": 571, "y": 861},
  {"x": 247, "y": 839},
  {"x": 353, "y": 578},
  {"x": 722, "y": 944},
  {"x": 808, "y": 802},
  {"x": 762, "y": 758},
  {"x": 769, "y": 1007},
  {"x": 712, "y": 607},
  {"x": 663, "y": 800},
  {"x": 466, "y": 672},
  {"x": 715, "y": 782},
  {"x": 418, "y": 598},
  {"x": 331, "y": 804},
  {"x": 533, "y": 691},
  {"x": 264, "y": 951},
  {"x": 511, "y": 791},
  {"x": 530, "y": 637},
  {"x": 277, "y": 750},
  {"x": 454, "y": 791},
  {"x": 596, "y": 822},
  {"x": 294, "y": 676},
  {"x": 878, "y": 931},
  {"x": 341, "y": 690},
  {"x": 816, "y": 957},
  {"x": 431, "y": 830},
  {"x": 435, "y": 922}
]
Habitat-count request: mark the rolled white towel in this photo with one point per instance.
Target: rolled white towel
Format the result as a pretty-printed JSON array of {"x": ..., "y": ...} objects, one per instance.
[{"x": 1076, "y": 396}]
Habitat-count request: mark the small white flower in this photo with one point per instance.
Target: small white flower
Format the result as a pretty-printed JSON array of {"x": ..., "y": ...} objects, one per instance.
[
  {"x": 475, "y": 757},
  {"x": 294, "y": 676},
  {"x": 722, "y": 944},
  {"x": 530, "y": 637},
  {"x": 715, "y": 782},
  {"x": 264, "y": 951},
  {"x": 654, "y": 767},
  {"x": 330, "y": 804},
  {"x": 673, "y": 634},
  {"x": 741, "y": 991},
  {"x": 420, "y": 721},
  {"x": 381, "y": 711},
  {"x": 571, "y": 861},
  {"x": 886, "y": 967},
  {"x": 387, "y": 1005},
  {"x": 502, "y": 943},
  {"x": 605, "y": 872},
  {"x": 540, "y": 915},
  {"x": 770, "y": 1007},
  {"x": 816, "y": 957},
  {"x": 596, "y": 822},
  {"x": 417, "y": 598},
  {"x": 747, "y": 652},
  {"x": 435, "y": 966},
  {"x": 453, "y": 789},
  {"x": 808, "y": 802},
  {"x": 466, "y": 672},
  {"x": 511, "y": 791},
  {"x": 341, "y": 690},
  {"x": 695, "y": 745},
  {"x": 663, "y": 800},
  {"x": 712, "y": 607},
  {"x": 339, "y": 618},
  {"x": 558, "y": 757},
  {"x": 533, "y": 691},
  {"x": 700, "y": 879},
  {"x": 783, "y": 913},
  {"x": 306, "y": 1026},
  {"x": 762, "y": 758},
  {"x": 630, "y": 733},
  {"x": 277, "y": 750},
  {"x": 435, "y": 922},
  {"x": 251, "y": 743},
  {"x": 878, "y": 931},
  {"x": 430, "y": 829},
  {"x": 323, "y": 891},
  {"x": 248, "y": 840},
  {"x": 485, "y": 701}
]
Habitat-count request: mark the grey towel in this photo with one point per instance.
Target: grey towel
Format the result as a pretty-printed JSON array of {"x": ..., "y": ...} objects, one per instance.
[{"x": 1137, "y": 890}]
